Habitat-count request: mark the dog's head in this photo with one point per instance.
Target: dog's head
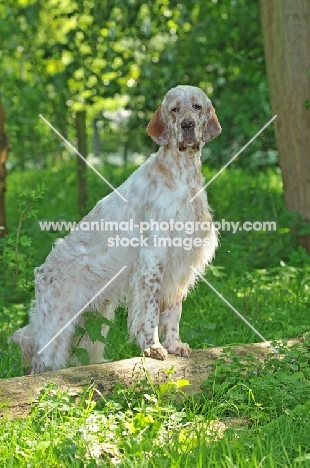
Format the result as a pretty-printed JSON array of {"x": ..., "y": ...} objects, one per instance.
[{"x": 186, "y": 118}]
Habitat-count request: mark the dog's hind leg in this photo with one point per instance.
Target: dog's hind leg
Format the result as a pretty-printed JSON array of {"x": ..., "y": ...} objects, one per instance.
[
  {"x": 24, "y": 337},
  {"x": 53, "y": 338}
]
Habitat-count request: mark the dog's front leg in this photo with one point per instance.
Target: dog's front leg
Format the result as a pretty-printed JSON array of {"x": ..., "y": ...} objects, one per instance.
[
  {"x": 169, "y": 327},
  {"x": 148, "y": 337},
  {"x": 144, "y": 309}
]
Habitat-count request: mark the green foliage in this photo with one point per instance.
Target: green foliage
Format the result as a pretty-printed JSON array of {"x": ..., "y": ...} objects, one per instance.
[
  {"x": 92, "y": 324},
  {"x": 286, "y": 374},
  {"x": 18, "y": 251},
  {"x": 59, "y": 57},
  {"x": 116, "y": 59},
  {"x": 239, "y": 195},
  {"x": 250, "y": 413}
]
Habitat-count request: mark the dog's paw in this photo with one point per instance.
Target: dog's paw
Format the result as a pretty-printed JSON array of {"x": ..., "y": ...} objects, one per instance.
[
  {"x": 179, "y": 349},
  {"x": 156, "y": 352}
]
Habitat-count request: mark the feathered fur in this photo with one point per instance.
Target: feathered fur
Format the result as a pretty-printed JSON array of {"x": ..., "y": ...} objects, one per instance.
[{"x": 156, "y": 279}]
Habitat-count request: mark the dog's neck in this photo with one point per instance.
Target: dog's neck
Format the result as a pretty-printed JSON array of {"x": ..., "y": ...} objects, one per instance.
[{"x": 184, "y": 164}]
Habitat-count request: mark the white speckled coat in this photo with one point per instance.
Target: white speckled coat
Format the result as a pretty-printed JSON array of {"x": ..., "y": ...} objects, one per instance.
[{"x": 156, "y": 279}]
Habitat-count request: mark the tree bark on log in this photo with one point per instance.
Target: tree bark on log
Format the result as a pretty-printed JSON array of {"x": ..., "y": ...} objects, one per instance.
[
  {"x": 17, "y": 394},
  {"x": 286, "y": 34}
]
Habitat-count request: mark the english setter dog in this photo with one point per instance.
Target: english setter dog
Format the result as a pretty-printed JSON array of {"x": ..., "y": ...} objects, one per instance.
[{"x": 158, "y": 275}]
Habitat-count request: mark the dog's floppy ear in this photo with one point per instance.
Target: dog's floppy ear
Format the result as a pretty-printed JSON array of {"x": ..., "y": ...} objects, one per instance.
[
  {"x": 212, "y": 127},
  {"x": 158, "y": 129}
]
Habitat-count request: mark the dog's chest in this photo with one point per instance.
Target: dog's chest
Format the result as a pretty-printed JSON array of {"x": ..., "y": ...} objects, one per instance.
[{"x": 178, "y": 204}]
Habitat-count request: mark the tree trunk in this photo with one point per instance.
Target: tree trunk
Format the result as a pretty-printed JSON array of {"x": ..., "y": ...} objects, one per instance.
[
  {"x": 125, "y": 153},
  {"x": 17, "y": 394},
  {"x": 96, "y": 139},
  {"x": 81, "y": 165},
  {"x": 3, "y": 156},
  {"x": 286, "y": 30}
]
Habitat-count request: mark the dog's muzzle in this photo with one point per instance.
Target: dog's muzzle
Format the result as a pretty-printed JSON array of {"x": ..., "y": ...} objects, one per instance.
[
  {"x": 188, "y": 125},
  {"x": 188, "y": 134}
]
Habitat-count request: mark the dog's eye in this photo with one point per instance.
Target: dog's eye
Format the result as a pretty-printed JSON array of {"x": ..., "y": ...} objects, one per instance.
[
  {"x": 175, "y": 109},
  {"x": 197, "y": 106}
]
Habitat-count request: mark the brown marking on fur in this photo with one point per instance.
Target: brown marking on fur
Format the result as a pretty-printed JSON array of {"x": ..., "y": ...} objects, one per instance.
[
  {"x": 158, "y": 129},
  {"x": 164, "y": 171},
  {"x": 166, "y": 175},
  {"x": 212, "y": 127}
]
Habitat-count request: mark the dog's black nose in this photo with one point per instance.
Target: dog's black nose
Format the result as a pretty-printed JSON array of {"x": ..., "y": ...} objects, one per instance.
[{"x": 188, "y": 124}]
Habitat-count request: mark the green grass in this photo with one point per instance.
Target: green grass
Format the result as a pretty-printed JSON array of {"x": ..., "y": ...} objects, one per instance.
[{"x": 247, "y": 415}]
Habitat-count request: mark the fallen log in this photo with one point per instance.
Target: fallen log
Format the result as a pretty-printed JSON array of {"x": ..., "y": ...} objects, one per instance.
[{"x": 18, "y": 393}]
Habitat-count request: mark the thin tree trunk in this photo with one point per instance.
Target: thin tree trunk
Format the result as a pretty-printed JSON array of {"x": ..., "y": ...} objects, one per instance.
[
  {"x": 286, "y": 30},
  {"x": 96, "y": 139},
  {"x": 125, "y": 153},
  {"x": 3, "y": 157},
  {"x": 81, "y": 165}
]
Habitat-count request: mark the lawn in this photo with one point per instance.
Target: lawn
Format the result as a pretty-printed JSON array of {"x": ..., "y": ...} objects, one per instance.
[{"x": 247, "y": 415}]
